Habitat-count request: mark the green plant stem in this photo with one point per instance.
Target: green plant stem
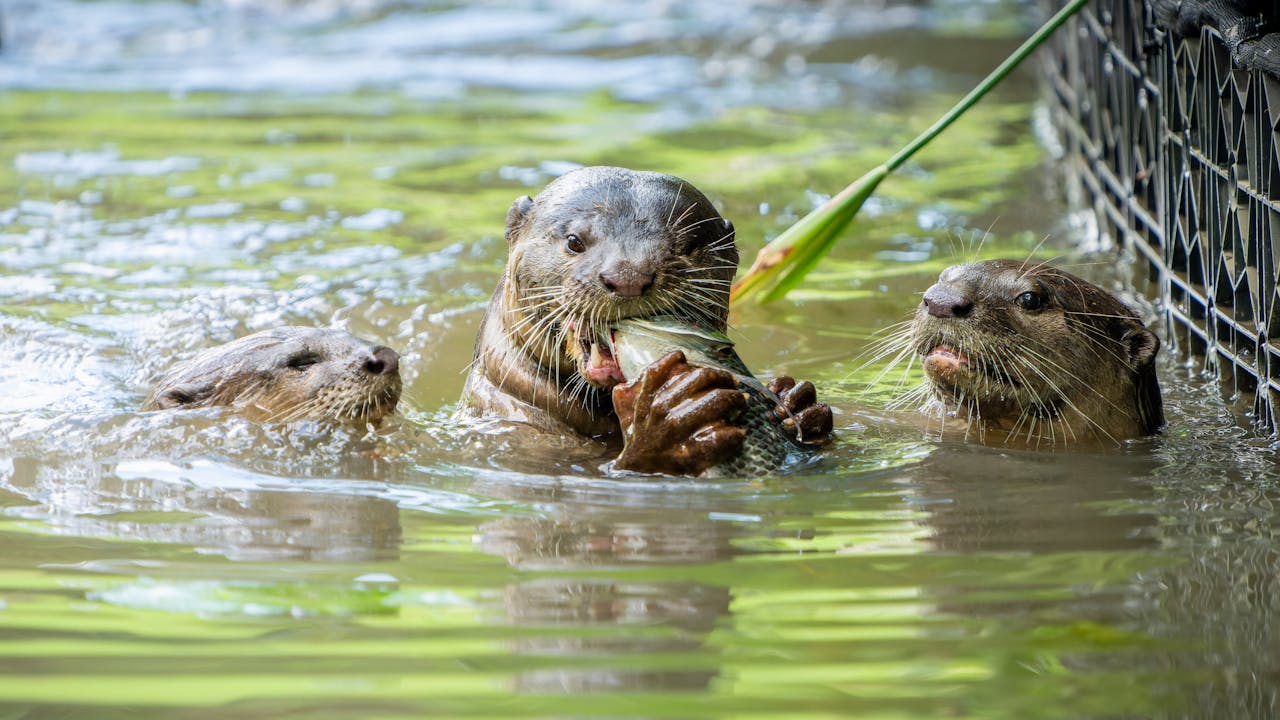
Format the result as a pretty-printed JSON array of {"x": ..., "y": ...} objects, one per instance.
[
  {"x": 989, "y": 82},
  {"x": 784, "y": 262}
]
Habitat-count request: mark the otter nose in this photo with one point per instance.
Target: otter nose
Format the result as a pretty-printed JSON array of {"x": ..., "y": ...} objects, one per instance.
[
  {"x": 382, "y": 360},
  {"x": 627, "y": 283},
  {"x": 944, "y": 301}
]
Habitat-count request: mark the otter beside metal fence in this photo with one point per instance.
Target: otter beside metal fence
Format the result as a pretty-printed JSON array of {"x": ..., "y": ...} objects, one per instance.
[{"x": 1167, "y": 111}]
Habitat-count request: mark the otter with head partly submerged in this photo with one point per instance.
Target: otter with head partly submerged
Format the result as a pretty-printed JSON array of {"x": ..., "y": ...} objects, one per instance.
[
  {"x": 599, "y": 245},
  {"x": 288, "y": 374},
  {"x": 1024, "y": 351}
]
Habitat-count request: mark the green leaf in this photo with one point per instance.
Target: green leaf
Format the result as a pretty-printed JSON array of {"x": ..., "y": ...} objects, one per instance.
[{"x": 783, "y": 263}]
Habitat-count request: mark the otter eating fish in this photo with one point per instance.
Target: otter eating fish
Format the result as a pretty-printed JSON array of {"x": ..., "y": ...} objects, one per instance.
[{"x": 598, "y": 246}]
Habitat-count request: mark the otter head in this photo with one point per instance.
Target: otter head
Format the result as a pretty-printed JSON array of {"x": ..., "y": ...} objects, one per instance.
[
  {"x": 287, "y": 374},
  {"x": 600, "y": 244},
  {"x": 1037, "y": 352}
]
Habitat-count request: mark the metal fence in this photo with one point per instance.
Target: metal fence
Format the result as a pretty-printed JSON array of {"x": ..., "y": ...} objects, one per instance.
[{"x": 1178, "y": 154}]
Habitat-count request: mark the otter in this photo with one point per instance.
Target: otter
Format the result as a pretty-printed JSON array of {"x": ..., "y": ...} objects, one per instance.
[
  {"x": 1028, "y": 352},
  {"x": 598, "y": 245},
  {"x": 288, "y": 374}
]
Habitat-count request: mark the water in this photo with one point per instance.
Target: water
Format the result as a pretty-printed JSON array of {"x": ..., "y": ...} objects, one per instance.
[{"x": 349, "y": 164}]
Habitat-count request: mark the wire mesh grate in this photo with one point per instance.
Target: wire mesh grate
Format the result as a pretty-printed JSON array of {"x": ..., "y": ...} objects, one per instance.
[{"x": 1178, "y": 155}]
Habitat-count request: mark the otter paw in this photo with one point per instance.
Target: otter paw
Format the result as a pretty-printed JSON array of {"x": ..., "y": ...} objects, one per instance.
[
  {"x": 808, "y": 420},
  {"x": 678, "y": 418}
]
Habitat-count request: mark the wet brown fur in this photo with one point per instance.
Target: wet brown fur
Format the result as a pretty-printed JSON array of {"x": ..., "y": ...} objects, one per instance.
[
  {"x": 528, "y": 363},
  {"x": 287, "y": 374},
  {"x": 1080, "y": 368}
]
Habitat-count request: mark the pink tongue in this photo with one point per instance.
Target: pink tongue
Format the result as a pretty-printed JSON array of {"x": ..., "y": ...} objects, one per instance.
[
  {"x": 948, "y": 351},
  {"x": 602, "y": 366},
  {"x": 947, "y": 357}
]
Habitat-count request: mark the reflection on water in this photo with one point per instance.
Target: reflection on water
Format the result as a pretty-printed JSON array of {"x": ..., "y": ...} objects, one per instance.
[
  {"x": 597, "y": 534},
  {"x": 251, "y": 522},
  {"x": 973, "y": 512},
  {"x": 192, "y": 564},
  {"x": 601, "y": 527}
]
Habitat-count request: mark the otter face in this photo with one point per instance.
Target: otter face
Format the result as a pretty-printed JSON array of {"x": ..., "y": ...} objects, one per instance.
[
  {"x": 288, "y": 374},
  {"x": 1033, "y": 350},
  {"x": 601, "y": 244}
]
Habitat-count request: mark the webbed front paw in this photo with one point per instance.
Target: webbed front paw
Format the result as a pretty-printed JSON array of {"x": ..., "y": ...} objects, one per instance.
[
  {"x": 808, "y": 420},
  {"x": 678, "y": 418}
]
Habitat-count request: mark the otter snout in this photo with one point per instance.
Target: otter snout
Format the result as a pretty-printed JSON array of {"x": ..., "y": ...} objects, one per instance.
[
  {"x": 628, "y": 282},
  {"x": 288, "y": 374},
  {"x": 945, "y": 301},
  {"x": 382, "y": 360}
]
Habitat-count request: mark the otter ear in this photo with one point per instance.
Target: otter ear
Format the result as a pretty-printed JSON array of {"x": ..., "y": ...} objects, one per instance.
[
  {"x": 183, "y": 395},
  {"x": 1143, "y": 346},
  {"x": 516, "y": 216}
]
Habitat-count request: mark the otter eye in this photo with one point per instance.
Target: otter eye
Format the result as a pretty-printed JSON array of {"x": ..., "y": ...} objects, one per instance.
[
  {"x": 574, "y": 244},
  {"x": 302, "y": 361},
  {"x": 1031, "y": 301}
]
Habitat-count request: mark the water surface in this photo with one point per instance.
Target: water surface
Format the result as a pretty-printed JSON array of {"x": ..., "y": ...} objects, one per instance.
[{"x": 174, "y": 175}]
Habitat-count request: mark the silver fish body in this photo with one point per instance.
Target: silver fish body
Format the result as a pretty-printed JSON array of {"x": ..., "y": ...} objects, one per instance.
[{"x": 638, "y": 343}]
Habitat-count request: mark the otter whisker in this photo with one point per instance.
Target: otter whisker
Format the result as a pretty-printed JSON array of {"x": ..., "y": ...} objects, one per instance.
[
  {"x": 684, "y": 229},
  {"x": 1035, "y": 269},
  {"x": 695, "y": 292},
  {"x": 908, "y": 353},
  {"x": 1102, "y": 337},
  {"x": 535, "y": 307},
  {"x": 540, "y": 333},
  {"x": 920, "y": 390},
  {"x": 724, "y": 242},
  {"x": 1084, "y": 313},
  {"x": 977, "y": 251},
  {"x": 1078, "y": 381},
  {"x": 952, "y": 250},
  {"x": 1065, "y": 376},
  {"x": 1022, "y": 271},
  {"x": 266, "y": 375},
  {"x": 708, "y": 269},
  {"x": 971, "y": 411},
  {"x": 692, "y": 206},
  {"x": 891, "y": 336},
  {"x": 1065, "y": 399},
  {"x": 697, "y": 297},
  {"x": 1100, "y": 333},
  {"x": 918, "y": 395},
  {"x": 877, "y": 355},
  {"x": 1024, "y": 418}
]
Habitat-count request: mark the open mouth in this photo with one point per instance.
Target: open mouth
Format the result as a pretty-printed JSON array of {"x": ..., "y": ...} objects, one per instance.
[
  {"x": 946, "y": 360},
  {"x": 948, "y": 364},
  {"x": 595, "y": 358}
]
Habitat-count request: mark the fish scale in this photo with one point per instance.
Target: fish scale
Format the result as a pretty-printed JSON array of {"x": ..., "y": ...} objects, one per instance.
[{"x": 638, "y": 343}]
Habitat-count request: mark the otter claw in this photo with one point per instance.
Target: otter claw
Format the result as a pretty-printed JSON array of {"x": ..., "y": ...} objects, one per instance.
[
  {"x": 781, "y": 384},
  {"x": 801, "y": 413},
  {"x": 815, "y": 424}
]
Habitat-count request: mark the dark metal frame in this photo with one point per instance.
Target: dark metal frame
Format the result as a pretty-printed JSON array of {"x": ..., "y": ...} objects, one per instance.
[{"x": 1178, "y": 154}]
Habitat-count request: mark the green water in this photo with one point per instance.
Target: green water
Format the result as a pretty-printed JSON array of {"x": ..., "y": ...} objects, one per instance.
[{"x": 195, "y": 565}]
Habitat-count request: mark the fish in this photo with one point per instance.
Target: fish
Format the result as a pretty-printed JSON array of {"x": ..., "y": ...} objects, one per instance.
[{"x": 640, "y": 342}]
